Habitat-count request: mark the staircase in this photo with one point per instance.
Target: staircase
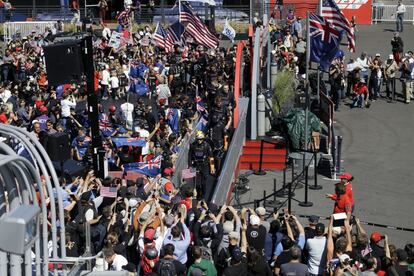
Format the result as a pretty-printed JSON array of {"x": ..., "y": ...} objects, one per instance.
[{"x": 274, "y": 155}]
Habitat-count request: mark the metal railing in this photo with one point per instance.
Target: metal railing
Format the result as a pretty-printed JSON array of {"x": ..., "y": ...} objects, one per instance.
[
  {"x": 11, "y": 29},
  {"x": 41, "y": 13},
  {"x": 387, "y": 13},
  {"x": 226, "y": 177},
  {"x": 182, "y": 160}
]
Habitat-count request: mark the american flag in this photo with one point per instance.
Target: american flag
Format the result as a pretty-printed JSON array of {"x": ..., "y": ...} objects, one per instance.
[
  {"x": 196, "y": 28},
  {"x": 162, "y": 39},
  {"x": 123, "y": 18},
  {"x": 188, "y": 173},
  {"x": 109, "y": 192},
  {"x": 333, "y": 14}
]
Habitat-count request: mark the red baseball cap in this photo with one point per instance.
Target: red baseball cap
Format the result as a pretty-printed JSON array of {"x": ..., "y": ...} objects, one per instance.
[
  {"x": 168, "y": 171},
  {"x": 346, "y": 175},
  {"x": 149, "y": 234},
  {"x": 375, "y": 237}
]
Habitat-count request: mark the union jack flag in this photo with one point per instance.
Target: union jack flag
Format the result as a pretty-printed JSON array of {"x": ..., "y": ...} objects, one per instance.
[
  {"x": 150, "y": 168},
  {"x": 128, "y": 141},
  {"x": 324, "y": 40},
  {"x": 105, "y": 126}
]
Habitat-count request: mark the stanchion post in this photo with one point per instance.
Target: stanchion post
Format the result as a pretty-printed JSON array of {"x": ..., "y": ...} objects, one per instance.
[
  {"x": 315, "y": 174},
  {"x": 338, "y": 157},
  {"x": 306, "y": 203},
  {"x": 290, "y": 198},
  {"x": 274, "y": 190},
  {"x": 264, "y": 199},
  {"x": 260, "y": 171}
]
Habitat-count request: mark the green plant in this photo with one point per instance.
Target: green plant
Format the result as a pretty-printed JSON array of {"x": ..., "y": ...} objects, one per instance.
[{"x": 283, "y": 90}]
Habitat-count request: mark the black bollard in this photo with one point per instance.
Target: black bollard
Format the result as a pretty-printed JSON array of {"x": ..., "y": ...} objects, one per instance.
[
  {"x": 315, "y": 176},
  {"x": 260, "y": 171},
  {"x": 306, "y": 203},
  {"x": 264, "y": 199},
  {"x": 339, "y": 155}
]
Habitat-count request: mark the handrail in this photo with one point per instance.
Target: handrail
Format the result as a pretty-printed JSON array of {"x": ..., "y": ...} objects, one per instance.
[{"x": 226, "y": 177}]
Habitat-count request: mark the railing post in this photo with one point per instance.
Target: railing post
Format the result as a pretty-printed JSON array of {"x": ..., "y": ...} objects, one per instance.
[
  {"x": 315, "y": 180},
  {"x": 306, "y": 203}
]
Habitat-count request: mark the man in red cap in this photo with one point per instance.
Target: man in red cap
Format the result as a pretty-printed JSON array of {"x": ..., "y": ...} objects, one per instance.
[{"x": 346, "y": 179}]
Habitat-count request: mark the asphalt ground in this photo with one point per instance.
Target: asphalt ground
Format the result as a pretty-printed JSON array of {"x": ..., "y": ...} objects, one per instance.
[{"x": 377, "y": 149}]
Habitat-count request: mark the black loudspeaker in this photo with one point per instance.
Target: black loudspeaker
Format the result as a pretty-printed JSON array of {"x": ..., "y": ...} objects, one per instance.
[
  {"x": 71, "y": 169},
  {"x": 58, "y": 147},
  {"x": 64, "y": 62}
]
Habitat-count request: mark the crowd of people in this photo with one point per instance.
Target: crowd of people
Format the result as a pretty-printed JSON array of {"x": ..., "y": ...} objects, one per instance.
[
  {"x": 359, "y": 79},
  {"x": 152, "y": 226}
]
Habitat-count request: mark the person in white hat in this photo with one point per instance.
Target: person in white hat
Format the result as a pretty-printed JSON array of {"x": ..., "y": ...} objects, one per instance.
[{"x": 389, "y": 68}]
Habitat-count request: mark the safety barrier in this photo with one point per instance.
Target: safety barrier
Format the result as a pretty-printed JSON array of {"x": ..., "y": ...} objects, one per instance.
[
  {"x": 226, "y": 177},
  {"x": 11, "y": 29},
  {"x": 182, "y": 160},
  {"x": 387, "y": 13}
]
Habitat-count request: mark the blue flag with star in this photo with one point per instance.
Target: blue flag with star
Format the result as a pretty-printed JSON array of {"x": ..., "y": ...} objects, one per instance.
[{"x": 324, "y": 40}]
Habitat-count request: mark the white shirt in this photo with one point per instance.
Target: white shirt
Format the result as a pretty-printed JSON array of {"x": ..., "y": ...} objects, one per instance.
[
  {"x": 66, "y": 106},
  {"x": 5, "y": 95},
  {"x": 401, "y": 9},
  {"x": 144, "y": 134},
  {"x": 118, "y": 263},
  {"x": 363, "y": 64},
  {"x": 105, "y": 77},
  {"x": 114, "y": 81},
  {"x": 317, "y": 255},
  {"x": 127, "y": 109}
]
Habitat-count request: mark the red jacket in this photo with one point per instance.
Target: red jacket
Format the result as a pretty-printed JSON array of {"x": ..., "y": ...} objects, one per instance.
[
  {"x": 348, "y": 192},
  {"x": 343, "y": 205},
  {"x": 360, "y": 89}
]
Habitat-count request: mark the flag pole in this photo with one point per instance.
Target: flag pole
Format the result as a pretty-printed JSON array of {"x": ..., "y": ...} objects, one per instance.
[
  {"x": 307, "y": 79},
  {"x": 318, "y": 72},
  {"x": 179, "y": 11}
]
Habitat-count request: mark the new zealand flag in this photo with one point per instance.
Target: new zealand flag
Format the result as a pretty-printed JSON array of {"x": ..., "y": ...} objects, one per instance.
[
  {"x": 324, "y": 40},
  {"x": 151, "y": 168}
]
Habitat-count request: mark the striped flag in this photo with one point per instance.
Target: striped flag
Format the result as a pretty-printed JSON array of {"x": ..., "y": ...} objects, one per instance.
[
  {"x": 332, "y": 13},
  {"x": 109, "y": 192},
  {"x": 188, "y": 173},
  {"x": 196, "y": 28},
  {"x": 162, "y": 38}
]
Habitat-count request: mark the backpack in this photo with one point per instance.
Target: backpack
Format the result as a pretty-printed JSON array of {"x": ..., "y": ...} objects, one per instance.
[
  {"x": 148, "y": 264},
  {"x": 166, "y": 268},
  {"x": 207, "y": 254}
]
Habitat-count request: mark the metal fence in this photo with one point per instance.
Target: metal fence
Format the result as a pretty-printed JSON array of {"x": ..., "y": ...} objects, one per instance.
[
  {"x": 387, "y": 13},
  {"x": 182, "y": 160},
  {"x": 10, "y": 29},
  {"x": 226, "y": 177}
]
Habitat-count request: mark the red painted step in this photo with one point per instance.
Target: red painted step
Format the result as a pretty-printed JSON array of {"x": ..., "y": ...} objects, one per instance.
[
  {"x": 266, "y": 158},
  {"x": 257, "y": 144},
  {"x": 274, "y": 155},
  {"x": 265, "y": 166},
  {"x": 252, "y": 151}
]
